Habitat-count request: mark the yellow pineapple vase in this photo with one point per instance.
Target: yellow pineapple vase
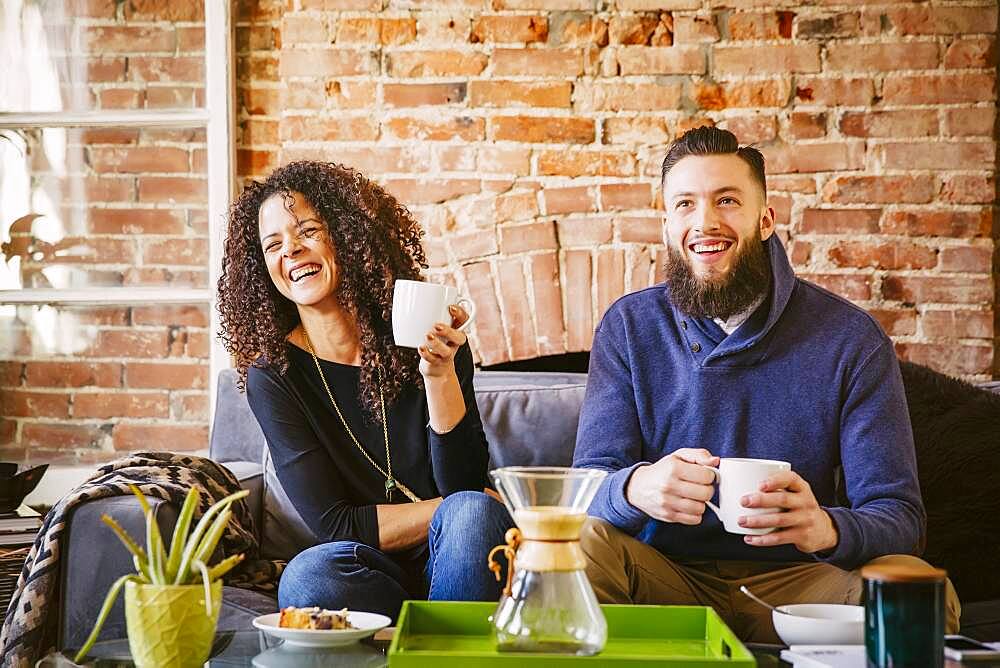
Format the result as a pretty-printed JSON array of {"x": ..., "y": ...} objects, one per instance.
[{"x": 168, "y": 626}]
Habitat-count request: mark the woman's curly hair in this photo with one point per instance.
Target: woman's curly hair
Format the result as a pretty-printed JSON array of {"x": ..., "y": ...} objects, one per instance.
[{"x": 375, "y": 241}]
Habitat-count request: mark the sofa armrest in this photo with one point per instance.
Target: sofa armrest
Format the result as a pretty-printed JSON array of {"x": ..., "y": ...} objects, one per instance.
[
  {"x": 251, "y": 477},
  {"x": 93, "y": 558}
]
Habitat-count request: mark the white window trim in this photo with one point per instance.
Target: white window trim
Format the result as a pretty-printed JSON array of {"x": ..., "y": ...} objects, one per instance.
[{"x": 218, "y": 117}]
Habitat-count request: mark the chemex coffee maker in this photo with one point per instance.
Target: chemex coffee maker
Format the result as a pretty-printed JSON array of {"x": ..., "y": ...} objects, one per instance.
[{"x": 548, "y": 604}]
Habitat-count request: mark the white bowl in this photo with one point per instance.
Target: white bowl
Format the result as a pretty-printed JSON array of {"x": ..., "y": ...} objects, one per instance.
[
  {"x": 820, "y": 624},
  {"x": 365, "y": 624}
]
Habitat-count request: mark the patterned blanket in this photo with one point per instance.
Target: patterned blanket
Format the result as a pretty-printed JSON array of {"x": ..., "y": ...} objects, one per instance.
[{"x": 30, "y": 627}]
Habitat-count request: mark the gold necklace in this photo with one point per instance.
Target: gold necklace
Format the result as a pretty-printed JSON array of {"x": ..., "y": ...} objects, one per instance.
[{"x": 390, "y": 482}]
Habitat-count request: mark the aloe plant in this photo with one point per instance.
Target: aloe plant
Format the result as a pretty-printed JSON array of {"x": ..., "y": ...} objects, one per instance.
[{"x": 184, "y": 563}]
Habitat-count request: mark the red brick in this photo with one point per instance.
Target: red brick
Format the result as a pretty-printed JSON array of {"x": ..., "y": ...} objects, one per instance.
[
  {"x": 87, "y": 250},
  {"x": 253, "y": 163},
  {"x": 939, "y": 155},
  {"x": 577, "y": 29},
  {"x": 428, "y": 191},
  {"x": 324, "y": 128},
  {"x": 257, "y": 38},
  {"x": 610, "y": 278},
  {"x": 465, "y": 128},
  {"x": 839, "y": 91},
  {"x": 896, "y": 322},
  {"x": 501, "y": 29},
  {"x": 532, "y": 129},
  {"x": 969, "y": 122},
  {"x": 632, "y": 28},
  {"x": 584, "y": 231},
  {"x": 8, "y": 433},
  {"x": 137, "y": 221},
  {"x": 537, "y": 62},
  {"x": 544, "y": 270},
  {"x": 515, "y": 206},
  {"x": 654, "y": 5},
  {"x": 879, "y": 189},
  {"x": 908, "y": 123},
  {"x": 623, "y": 196},
  {"x": 845, "y": 24},
  {"x": 303, "y": 29},
  {"x": 128, "y": 343},
  {"x": 173, "y": 190},
  {"x": 791, "y": 183},
  {"x": 968, "y": 189},
  {"x": 121, "y": 98},
  {"x": 577, "y": 282},
  {"x": 419, "y": 95},
  {"x": 10, "y": 373},
  {"x": 949, "y": 358},
  {"x": 840, "y": 221},
  {"x": 196, "y": 344},
  {"x": 964, "y": 324},
  {"x": 157, "y": 10},
  {"x": 342, "y": 5},
  {"x": 838, "y": 156},
  {"x": 393, "y": 32},
  {"x": 176, "y": 252},
  {"x": 326, "y": 63},
  {"x": 524, "y": 238},
  {"x": 636, "y": 130},
  {"x": 943, "y": 289},
  {"x": 959, "y": 224},
  {"x": 91, "y": 136},
  {"x": 643, "y": 230},
  {"x": 140, "y": 159},
  {"x": 569, "y": 200},
  {"x": 939, "y": 89},
  {"x": 168, "y": 315},
  {"x": 855, "y": 287},
  {"x": 697, "y": 28},
  {"x": 156, "y": 375},
  {"x": 16, "y": 403},
  {"x": 881, "y": 57},
  {"x": 62, "y": 436},
  {"x": 503, "y": 160},
  {"x": 168, "y": 97},
  {"x": 190, "y": 407},
  {"x": 108, "y": 405},
  {"x": 807, "y": 125},
  {"x": 666, "y": 60},
  {"x": 586, "y": 163},
  {"x": 72, "y": 374},
  {"x": 751, "y": 26},
  {"x": 756, "y": 129},
  {"x": 519, "y": 325},
  {"x": 488, "y": 328},
  {"x": 130, "y": 39},
  {"x": 259, "y": 131},
  {"x": 268, "y": 67},
  {"x": 619, "y": 96},
  {"x": 474, "y": 244},
  {"x": 167, "y": 68},
  {"x": 977, "y": 259},
  {"x": 782, "y": 206},
  {"x": 775, "y": 59},
  {"x": 104, "y": 9},
  {"x": 977, "y": 52},
  {"x": 448, "y": 26},
  {"x": 495, "y": 93},
  {"x": 434, "y": 63},
  {"x": 887, "y": 255},
  {"x": 639, "y": 263},
  {"x": 261, "y": 100},
  {"x": 128, "y": 437},
  {"x": 749, "y": 94},
  {"x": 925, "y": 20}
]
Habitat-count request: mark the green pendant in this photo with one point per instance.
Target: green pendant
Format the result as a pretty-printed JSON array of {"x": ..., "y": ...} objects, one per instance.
[{"x": 390, "y": 484}]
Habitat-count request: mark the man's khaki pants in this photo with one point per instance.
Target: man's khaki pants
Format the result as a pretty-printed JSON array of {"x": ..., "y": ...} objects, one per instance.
[{"x": 625, "y": 570}]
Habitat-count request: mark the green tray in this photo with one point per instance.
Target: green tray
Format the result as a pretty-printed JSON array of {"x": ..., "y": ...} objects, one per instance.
[{"x": 438, "y": 634}]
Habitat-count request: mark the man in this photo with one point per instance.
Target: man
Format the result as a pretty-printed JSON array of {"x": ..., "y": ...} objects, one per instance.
[{"x": 736, "y": 357}]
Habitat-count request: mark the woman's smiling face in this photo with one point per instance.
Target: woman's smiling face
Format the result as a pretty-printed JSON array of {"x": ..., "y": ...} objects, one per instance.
[{"x": 297, "y": 249}]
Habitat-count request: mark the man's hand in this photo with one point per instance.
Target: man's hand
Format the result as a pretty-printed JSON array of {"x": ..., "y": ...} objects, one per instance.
[
  {"x": 799, "y": 520},
  {"x": 675, "y": 488}
]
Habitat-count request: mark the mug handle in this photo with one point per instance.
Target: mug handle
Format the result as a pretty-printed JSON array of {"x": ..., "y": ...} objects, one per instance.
[
  {"x": 470, "y": 308},
  {"x": 715, "y": 508}
]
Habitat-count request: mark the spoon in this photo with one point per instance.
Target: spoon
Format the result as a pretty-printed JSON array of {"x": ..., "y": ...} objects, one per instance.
[{"x": 762, "y": 601}]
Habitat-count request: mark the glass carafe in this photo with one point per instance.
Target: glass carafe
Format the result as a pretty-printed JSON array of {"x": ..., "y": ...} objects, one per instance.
[{"x": 548, "y": 605}]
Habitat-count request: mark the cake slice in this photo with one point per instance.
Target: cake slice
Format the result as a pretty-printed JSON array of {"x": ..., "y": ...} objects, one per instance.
[{"x": 313, "y": 618}]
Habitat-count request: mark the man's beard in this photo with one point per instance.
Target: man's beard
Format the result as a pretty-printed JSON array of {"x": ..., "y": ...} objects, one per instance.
[{"x": 719, "y": 296}]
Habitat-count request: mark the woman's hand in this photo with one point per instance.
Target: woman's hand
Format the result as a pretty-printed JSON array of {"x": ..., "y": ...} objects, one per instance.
[{"x": 437, "y": 355}]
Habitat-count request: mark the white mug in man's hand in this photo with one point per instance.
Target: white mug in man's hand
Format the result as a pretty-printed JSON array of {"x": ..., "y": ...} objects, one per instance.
[
  {"x": 417, "y": 306},
  {"x": 736, "y": 478}
]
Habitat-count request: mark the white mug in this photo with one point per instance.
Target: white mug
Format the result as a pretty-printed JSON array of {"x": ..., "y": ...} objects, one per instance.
[
  {"x": 417, "y": 306},
  {"x": 736, "y": 478}
]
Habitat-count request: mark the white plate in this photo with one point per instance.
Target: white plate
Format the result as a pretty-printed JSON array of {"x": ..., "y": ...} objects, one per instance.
[{"x": 365, "y": 623}]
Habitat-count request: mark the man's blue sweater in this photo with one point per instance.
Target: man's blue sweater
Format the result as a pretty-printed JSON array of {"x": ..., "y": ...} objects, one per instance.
[{"x": 809, "y": 378}]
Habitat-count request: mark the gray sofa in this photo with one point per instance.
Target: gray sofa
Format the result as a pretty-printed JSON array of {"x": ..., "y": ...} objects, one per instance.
[{"x": 530, "y": 419}]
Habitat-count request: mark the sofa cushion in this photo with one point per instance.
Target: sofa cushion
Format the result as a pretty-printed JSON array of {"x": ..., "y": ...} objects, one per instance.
[{"x": 956, "y": 431}]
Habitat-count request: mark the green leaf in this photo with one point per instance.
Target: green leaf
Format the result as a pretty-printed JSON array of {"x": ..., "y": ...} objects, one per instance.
[
  {"x": 195, "y": 538},
  {"x": 109, "y": 601},
  {"x": 154, "y": 543},
  {"x": 200, "y": 565},
  {"x": 224, "y": 566},
  {"x": 179, "y": 539}
]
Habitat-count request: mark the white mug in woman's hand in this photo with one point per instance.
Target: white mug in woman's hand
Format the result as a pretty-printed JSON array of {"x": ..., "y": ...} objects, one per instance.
[
  {"x": 417, "y": 306},
  {"x": 738, "y": 477}
]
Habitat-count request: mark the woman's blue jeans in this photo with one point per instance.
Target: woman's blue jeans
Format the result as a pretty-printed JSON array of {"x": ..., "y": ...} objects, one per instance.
[{"x": 452, "y": 567}]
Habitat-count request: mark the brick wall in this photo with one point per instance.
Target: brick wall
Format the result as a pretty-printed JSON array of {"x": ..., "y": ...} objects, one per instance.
[{"x": 527, "y": 136}]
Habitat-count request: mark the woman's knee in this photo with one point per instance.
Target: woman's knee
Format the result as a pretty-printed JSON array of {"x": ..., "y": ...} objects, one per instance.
[{"x": 471, "y": 510}]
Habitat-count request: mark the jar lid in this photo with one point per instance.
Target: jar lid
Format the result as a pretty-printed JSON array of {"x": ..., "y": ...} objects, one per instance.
[{"x": 903, "y": 573}]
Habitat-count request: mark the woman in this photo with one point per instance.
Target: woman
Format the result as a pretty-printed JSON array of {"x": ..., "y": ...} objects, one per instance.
[{"x": 366, "y": 438}]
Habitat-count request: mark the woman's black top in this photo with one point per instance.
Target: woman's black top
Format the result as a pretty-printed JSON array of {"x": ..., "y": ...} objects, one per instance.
[{"x": 328, "y": 480}]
